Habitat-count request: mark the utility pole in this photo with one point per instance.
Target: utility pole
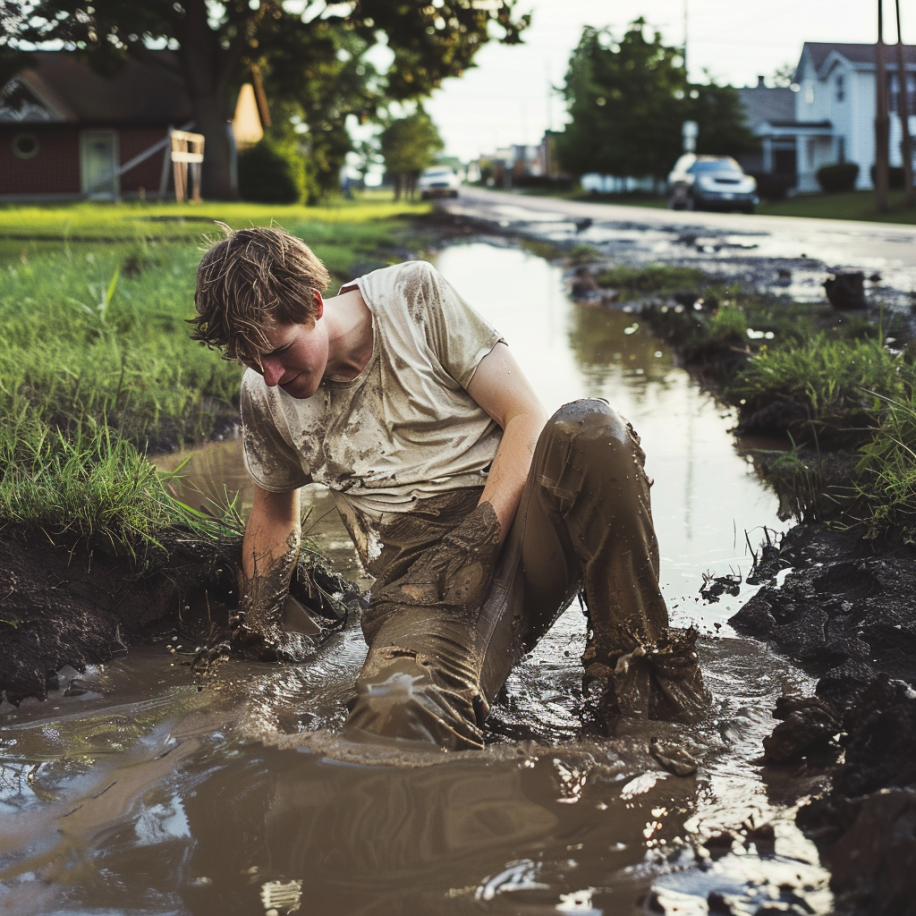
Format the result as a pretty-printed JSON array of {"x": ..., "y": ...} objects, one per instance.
[
  {"x": 903, "y": 111},
  {"x": 881, "y": 118}
]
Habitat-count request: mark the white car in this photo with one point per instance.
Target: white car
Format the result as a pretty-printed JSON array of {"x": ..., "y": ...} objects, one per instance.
[
  {"x": 438, "y": 181},
  {"x": 711, "y": 183}
]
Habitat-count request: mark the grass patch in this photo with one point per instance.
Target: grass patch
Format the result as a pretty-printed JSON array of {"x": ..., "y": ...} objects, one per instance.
[
  {"x": 98, "y": 364},
  {"x": 854, "y": 205},
  {"x": 824, "y": 378},
  {"x": 636, "y": 282}
]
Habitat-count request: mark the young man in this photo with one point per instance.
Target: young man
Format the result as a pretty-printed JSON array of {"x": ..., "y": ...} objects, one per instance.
[{"x": 479, "y": 518}]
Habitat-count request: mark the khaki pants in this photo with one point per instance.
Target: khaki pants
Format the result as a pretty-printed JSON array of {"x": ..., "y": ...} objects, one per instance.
[{"x": 584, "y": 522}]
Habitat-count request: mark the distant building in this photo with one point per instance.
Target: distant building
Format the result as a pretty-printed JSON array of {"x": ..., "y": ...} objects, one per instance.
[
  {"x": 68, "y": 133},
  {"x": 766, "y": 105},
  {"x": 833, "y": 114}
]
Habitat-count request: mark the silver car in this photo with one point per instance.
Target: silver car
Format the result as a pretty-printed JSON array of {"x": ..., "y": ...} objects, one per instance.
[{"x": 711, "y": 183}]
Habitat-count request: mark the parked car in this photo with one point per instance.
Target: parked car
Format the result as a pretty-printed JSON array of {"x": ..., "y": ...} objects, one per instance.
[
  {"x": 711, "y": 183},
  {"x": 438, "y": 181}
]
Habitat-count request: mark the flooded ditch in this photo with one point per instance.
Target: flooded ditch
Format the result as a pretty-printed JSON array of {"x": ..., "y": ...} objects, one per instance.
[{"x": 132, "y": 792}]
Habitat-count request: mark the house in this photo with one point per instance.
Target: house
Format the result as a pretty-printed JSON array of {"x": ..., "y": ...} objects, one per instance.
[
  {"x": 834, "y": 112},
  {"x": 765, "y": 105},
  {"x": 69, "y": 133}
]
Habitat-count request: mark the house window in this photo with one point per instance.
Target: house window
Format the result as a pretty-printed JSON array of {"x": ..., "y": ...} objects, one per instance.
[
  {"x": 809, "y": 94},
  {"x": 840, "y": 89},
  {"x": 893, "y": 92},
  {"x": 25, "y": 146},
  {"x": 841, "y": 149}
]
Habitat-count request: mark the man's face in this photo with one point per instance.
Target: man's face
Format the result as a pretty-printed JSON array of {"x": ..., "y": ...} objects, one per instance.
[{"x": 295, "y": 359}]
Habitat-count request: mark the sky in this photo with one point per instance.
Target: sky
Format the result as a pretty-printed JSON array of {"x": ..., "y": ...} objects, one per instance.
[{"x": 507, "y": 97}]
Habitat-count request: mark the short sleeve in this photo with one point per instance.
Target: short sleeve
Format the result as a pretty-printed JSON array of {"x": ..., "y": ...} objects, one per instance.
[
  {"x": 270, "y": 458},
  {"x": 458, "y": 335}
]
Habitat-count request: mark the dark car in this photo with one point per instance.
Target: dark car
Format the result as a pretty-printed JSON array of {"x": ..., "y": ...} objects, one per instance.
[{"x": 711, "y": 183}]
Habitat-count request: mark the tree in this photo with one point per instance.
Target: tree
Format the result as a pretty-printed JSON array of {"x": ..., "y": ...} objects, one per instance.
[
  {"x": 408, "y": 146},
  {"x": 721, "y": 120},
  {"x": 215, "y": 40},
  {"x": 784, "y": 75},
  {"x": 627, "y": 101}
]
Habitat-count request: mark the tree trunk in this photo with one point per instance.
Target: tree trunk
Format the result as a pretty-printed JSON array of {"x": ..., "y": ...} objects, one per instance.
[
  {"x": 903, "y": 110},
  {"x": 207, "y": 68},
  {"x": 881, "y": 118}
]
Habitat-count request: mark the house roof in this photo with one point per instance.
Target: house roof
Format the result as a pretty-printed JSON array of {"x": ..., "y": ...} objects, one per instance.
[
  {"x": 862, "y": 55},
  {"x": 765, "y": 103},
  {"x": 143, "y": 92}
]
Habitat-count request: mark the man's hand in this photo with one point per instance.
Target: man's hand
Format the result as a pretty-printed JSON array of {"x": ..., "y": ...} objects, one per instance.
[
  {"x": 270, "y": 553},
  {"x": 454, "y": 574}
]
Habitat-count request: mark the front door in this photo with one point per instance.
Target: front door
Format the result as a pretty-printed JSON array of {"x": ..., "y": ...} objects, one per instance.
[{"x": 98, "y": 163}]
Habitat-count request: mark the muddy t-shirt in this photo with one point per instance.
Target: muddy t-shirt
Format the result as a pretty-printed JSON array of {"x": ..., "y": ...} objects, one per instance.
[{"x": 404, "y": 429}]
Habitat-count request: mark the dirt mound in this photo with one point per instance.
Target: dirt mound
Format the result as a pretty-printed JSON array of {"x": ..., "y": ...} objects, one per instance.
[{"x": 78, "y": 603}]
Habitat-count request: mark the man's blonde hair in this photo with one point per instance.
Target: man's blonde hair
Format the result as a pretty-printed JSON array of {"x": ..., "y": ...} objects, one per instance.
[{"x": 249, "y": 282}]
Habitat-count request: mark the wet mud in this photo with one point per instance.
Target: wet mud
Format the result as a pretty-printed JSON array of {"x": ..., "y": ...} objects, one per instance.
[
  {"x": 845, "y": 613},
  {"x": 75, "y": 603}
]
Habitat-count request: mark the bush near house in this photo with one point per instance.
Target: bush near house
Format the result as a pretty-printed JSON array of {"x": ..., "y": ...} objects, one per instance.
[
  {"x": 272, "y": 173},
  {"x": 896, "y": 177},
  {"x": 773, "y": 186},
  {"x": 841, "y": 176}
]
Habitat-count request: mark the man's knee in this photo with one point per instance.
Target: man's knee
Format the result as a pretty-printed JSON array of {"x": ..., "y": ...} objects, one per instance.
[
  {"x": 588, "y": 418},
  {"x": 399, "y": 695}
]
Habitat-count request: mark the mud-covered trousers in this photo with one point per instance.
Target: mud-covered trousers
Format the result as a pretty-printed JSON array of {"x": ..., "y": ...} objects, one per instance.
[{"x": 584, "y": 523}]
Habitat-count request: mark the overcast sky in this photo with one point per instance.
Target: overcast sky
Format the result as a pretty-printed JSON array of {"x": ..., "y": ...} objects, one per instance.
[{"x": 506, "y": 98}]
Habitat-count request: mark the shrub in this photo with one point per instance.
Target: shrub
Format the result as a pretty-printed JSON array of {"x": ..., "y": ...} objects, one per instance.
[
  {"x": 773, "y": 186},
  {"x": 896, "y": 178},
  {"x": 841, "y": 176},
  {"x": 271, "y": 173}
]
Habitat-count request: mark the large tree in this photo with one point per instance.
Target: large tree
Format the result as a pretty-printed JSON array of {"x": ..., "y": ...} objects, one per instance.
[
  {"x": 408, "y": 146},
  {"x": 627, "y": 99},
  {"x": 215, "y": 39}
]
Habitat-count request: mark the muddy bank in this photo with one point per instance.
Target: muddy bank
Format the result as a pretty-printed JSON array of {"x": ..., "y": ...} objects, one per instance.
[{"x": 78, "y": 603}]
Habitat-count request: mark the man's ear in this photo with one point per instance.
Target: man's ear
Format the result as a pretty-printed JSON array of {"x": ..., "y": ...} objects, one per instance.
[{"x": 319, "y": 305}]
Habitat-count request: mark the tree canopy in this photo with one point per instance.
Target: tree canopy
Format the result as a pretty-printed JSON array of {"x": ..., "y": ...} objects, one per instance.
[
  {"x": 313, "y": 48},
  {"x": 627, "y": 100}
]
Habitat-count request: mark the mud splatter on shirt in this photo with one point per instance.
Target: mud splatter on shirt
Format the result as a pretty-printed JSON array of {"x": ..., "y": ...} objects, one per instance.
[{"x": 405, "y": 429}]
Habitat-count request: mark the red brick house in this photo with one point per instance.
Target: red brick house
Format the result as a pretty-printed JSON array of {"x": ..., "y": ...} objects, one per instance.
[{"x": 68, "y": 133}]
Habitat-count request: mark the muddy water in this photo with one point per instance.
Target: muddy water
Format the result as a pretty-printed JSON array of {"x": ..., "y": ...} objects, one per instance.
[{"x": 137, "y": 793}]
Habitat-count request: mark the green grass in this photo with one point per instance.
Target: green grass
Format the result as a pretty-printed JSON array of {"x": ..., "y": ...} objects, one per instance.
[
  {"x": 854, "y": 205},
  {"x": 97, "y": 360},
  {"x": 635, "y": 282}
]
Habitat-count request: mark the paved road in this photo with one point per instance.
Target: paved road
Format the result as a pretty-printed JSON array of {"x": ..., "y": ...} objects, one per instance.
[{"x": 727, "y": 241}]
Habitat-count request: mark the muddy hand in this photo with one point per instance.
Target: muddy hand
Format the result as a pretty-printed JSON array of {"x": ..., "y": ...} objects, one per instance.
[
  {"x": 255, "y": 628},
  {"x": 454, "y": 573}
]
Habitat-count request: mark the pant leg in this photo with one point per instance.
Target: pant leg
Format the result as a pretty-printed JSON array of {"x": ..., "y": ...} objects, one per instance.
[{"x": 584, "y": 520}]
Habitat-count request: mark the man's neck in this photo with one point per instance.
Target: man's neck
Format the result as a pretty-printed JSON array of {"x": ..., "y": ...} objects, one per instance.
[{"x": 350, "y": 338}]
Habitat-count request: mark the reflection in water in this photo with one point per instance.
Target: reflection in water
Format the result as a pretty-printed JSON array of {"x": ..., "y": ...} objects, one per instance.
[{"x": 144, "y": 795}]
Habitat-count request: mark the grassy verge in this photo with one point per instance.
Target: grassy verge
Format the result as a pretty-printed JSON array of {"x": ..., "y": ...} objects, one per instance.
[
  {"x": 826, "y": 379},
  {"x": 854, "y": 205},
  {"x": 97, "y": 365}
]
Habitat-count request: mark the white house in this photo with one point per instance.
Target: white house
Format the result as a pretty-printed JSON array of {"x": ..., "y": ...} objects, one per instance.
[{"x": 835, "y": 107}]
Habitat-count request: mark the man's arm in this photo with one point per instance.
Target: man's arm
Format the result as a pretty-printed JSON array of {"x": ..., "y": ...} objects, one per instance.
[
  {"x": 270, "y": 552},
  {"x": 499, "y": 386},
  {"x": 272, "y": 532}
]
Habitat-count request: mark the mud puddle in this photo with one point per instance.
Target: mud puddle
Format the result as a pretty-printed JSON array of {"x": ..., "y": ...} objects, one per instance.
[{"x": 132, "y": 792}]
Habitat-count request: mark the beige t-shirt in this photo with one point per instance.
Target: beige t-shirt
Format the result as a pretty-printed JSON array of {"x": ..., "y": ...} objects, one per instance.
[{"x": 404, "y": 429}]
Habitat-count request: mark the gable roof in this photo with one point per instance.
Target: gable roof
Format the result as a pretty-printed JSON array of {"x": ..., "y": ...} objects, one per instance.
[
  {"x": 859, "y": 55},
  {"x": 767, "y": 103},
  {"x": 142, "y": 92}
]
